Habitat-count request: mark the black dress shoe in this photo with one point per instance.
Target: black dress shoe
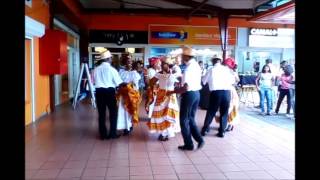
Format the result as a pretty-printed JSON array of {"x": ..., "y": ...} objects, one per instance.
[
  {"x": 126, "y": 132},
  {"x": 201, "y": 144},
  {"x": 185, "y": 148},
  {"x": 229, "y": 127},
  {"x": 220, "y": 134},
  {"x": 204, "y": 131},
  {"x": 164, "y": 138},
  {"x": 114, "y": 136}
]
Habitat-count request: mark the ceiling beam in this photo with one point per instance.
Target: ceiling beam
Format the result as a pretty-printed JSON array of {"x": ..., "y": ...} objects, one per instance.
[
  {"x": 248, "y": 12},
  {"x": 194, "y": 4},
  {"x": 142, "y": 11},
  {"x": 197, "y": 8},
  {"x": 133, "y": 3}
]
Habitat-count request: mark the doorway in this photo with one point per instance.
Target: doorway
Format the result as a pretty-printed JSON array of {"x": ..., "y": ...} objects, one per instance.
[{"x": 29, "y": 82}]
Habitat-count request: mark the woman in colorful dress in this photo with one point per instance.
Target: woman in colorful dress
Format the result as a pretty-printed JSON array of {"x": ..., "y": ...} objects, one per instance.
[
  {"x": 155, "y": 66},
  {"x": 128, "y": 98},
  {"x": 165, "y": 115}
]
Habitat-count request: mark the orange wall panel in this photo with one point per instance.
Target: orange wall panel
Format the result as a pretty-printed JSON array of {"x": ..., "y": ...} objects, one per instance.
[
  {"x": 39, "y": 11},
  {"x": 28, "y": 100},
  {"x": 42, "y": 86}
]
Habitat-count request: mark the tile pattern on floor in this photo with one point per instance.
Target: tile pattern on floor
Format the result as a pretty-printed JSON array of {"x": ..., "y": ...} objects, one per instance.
[{"x": 64, "y": 145}]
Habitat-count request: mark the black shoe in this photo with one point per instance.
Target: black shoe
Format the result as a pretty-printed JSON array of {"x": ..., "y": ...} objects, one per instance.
[
  {"x": 220, "y": 134},
  {"x": 164, "y": 138},
  {"x": 126, "y": 132},
  {"x": 185, "y": 148},
  {"x": 160, "y": 137},
  {"x": 229, "y": 127},
  {"x": 204, "y": 131},
  {"x": 114, "y": 136},
  {"x": 201, "y": 144}
]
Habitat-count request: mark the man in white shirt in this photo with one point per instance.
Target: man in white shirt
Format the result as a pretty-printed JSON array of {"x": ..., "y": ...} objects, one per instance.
[
  {"x": 220, "y": 80},
  {"x": 106, "y": 79},
  {"x": 190, "y": 97}
]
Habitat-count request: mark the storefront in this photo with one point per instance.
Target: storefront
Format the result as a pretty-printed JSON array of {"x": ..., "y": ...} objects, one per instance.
[
  {"x": 257, "y": 45},
  {"x": 118, "y": 43},
  {"x": 65, "y": 84},
  {"x": 168, "y": 39}
]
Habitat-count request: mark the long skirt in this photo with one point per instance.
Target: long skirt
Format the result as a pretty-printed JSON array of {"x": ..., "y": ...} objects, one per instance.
[{"x": 165, "y": 115}]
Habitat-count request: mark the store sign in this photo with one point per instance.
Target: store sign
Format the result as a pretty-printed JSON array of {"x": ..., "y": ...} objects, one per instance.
[
  {"x": 274, "y": 38},
  {"x": 264, "y": 32},
  {"x": 192, "y": 35},
  {"x": 118, "y": 37}
]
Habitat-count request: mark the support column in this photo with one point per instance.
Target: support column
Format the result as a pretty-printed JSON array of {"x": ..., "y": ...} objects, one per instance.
[
  {"x": 52, "y": 5},
  {"x": 84, "y": 44},
  {"x": 223, "y": 27}
]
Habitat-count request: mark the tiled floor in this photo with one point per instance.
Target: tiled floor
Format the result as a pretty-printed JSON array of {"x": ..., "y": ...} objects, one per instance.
[{"x": 64, "y": 146}]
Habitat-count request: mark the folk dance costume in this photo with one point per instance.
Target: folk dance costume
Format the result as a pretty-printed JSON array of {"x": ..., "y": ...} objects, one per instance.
[
  {"x": 150, "y": 74},
  {"x": 165, "y": 115},
  {"x": 128, "y": 100}
]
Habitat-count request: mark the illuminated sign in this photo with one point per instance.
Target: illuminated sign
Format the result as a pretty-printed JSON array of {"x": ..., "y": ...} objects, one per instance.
[
  {"x": 186, "y": 34},
  {"x": 264, "y": 32}
]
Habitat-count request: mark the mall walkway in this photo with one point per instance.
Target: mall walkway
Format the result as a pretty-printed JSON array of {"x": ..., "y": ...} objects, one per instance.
[{"x": 64, "y": 145}]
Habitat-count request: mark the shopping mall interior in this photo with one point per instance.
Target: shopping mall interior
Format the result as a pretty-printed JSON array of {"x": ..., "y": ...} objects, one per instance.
[{"x": 66, "y": 38}]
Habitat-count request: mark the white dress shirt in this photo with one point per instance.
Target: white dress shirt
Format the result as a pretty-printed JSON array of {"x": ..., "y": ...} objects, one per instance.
[
  {"x": 192, "y": 76},
  {"x": 177, "y": 70},
  {"x": 219, "y": 77},
  {"x": 106, "y": 76}
]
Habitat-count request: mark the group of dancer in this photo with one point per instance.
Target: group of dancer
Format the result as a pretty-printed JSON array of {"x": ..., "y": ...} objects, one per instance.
[{"x": 164, "y": 80}]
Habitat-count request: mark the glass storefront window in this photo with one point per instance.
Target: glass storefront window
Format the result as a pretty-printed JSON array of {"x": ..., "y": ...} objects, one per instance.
[{"x": 204, "y": 54}]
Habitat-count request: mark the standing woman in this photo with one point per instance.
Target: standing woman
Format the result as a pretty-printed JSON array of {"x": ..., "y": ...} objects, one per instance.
[
  {"x": 155, "y": 66},
  {"x": 264, "y": 83},
  {"x": 165, "y": 115},
  {"x": 128, "y": 98},
  {"x": 286, "y": 80}
]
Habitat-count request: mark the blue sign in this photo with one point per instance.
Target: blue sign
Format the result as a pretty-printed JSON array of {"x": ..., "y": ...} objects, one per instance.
[{"x": 170, "y": 35}]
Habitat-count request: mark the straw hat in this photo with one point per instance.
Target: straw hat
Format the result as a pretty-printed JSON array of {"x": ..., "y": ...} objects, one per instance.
[
  {"x": 105, "y": 55},
  {"x": 188, "y": 51},
  {"x": 169, "y": 60}
]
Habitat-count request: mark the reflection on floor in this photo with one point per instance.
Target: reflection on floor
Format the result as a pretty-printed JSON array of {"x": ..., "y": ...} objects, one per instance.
[{"x": 64, "y": 145}]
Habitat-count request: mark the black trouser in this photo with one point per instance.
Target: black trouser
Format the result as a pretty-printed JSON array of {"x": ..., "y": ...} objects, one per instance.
[
  {"x": 219, "y": 99},
  {"x": 283, "y": 93},
  {"x": 106, "y": 97},
  {"x": 188, "y": 108}
]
